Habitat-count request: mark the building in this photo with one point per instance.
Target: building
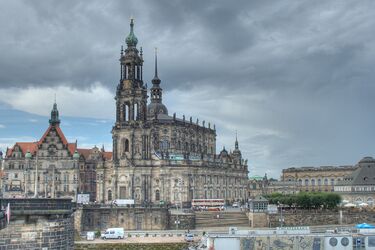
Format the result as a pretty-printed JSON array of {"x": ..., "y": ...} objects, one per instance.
[
  {"x": 359, "y": 187},
  {"x": 158, "y": 157},
  {"x": 317, "y": 179},
  {"x": 51, "y": 167},
  {"x": 258, "y": 186}
]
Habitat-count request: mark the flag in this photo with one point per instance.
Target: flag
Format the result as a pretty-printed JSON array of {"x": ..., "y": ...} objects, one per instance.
[{"x": 8, "y": 213}]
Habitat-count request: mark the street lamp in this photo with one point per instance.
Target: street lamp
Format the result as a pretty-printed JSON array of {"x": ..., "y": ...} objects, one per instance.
[{"x": 281, "y": 214}]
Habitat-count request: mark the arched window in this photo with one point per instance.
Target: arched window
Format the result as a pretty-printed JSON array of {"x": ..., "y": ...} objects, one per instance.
[
  {"x": 300, "y": 182},
  {"x": 186, "y": 146},
  {"x": 332, "y": 181},
  {"x": 312, "y": 182},
  {"x": 136, "y": 111},
  {"x": 126, "y": 145},
  {"x": 157, "y": 195},
  {"x": 306, "y": 182},
  {"x": 319, "y": 182},
  {"x": 109, "y": 195},
  {"x": 326, "y": 181},
  {"x": 126, "y": 113}
]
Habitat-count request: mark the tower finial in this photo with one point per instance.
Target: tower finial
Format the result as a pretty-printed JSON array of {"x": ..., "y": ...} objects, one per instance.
[
  {"x": 54, "y": 115},
  {"x": 156, "y": 62},
  {"x": 236, "y": 143},
  {"x": 131, "y": 40}
]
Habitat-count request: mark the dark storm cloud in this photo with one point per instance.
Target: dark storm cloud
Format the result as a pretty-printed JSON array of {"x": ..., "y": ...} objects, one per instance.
[{"x": 295, "y": 76}]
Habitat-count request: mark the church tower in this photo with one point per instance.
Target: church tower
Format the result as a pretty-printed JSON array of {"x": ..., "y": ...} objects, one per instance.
[
  {"x": 156, "y": 106},
  {"x": 131, "y": 99}
]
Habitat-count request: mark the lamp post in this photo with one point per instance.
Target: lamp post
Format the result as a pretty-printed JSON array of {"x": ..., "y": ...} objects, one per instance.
[{"x": 281, "y": 214}]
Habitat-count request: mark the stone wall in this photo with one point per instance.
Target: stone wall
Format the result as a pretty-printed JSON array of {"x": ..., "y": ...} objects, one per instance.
[
  {"x": 95, "y": 218},
  {"x": 324, "y": 217},
  {"x": 185, "y": 221},
  {"x": 38, "y": 224}
]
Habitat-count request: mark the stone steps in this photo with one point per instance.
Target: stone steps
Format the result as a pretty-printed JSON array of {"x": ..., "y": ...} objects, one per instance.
[{"x": 226, "y": 219}]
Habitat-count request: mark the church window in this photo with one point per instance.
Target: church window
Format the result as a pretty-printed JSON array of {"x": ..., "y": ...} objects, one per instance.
[
  {"x": 126, "y": 145},
  {"x": 325, "y": 181},
  {"x": 157, "y": 195},
  {"x": 126, "y": 112},
  {"x": 164, "y": 145},
  {"x": 136, "y": 111},
  {"x": 306, "y": 182},
  {"x": 109, "y": 195},
  {"x": 312, "y": 182},
  {"x": 319, "y": 182}
]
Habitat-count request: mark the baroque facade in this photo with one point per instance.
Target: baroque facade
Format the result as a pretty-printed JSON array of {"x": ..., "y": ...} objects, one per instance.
[
  {"x": 317, "y": 179},
  {"x": 51, "y": 167},
  {"x": 158, "y": 157}
]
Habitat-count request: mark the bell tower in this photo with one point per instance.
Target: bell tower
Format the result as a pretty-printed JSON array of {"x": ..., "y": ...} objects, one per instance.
[{"x": 131, "y": 98}]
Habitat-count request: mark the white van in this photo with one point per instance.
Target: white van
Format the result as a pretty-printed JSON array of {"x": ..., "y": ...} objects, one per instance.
[{"x": 113, "y": 233}]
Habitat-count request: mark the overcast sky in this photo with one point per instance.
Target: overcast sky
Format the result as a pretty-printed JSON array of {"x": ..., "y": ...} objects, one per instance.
[{"x": 294, "y": 78}]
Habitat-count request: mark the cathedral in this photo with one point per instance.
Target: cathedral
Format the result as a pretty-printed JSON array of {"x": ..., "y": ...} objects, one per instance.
[{"x": 157, "y": 158}]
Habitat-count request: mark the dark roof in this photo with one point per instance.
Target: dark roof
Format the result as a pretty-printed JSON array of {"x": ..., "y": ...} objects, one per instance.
[{"x": 364, "y": 175}]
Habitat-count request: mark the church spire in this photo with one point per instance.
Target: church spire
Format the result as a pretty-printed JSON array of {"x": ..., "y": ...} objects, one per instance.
[
  {"x": 54, "y": 115},
  {"x": 156, "y": 80},
  {"x": 236, "y": 143},
  {"x": 156, "y": 106}
]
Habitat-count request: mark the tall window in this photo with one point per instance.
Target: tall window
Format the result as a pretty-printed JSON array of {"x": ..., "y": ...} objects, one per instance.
[
  {"x": 313, "y": 182},
  {"x": 306, "y": 182},
  {"x": 164, "y": 145},
  {"x": 109, "y": 195},
  {"x": 126, "y": 112},
  {"x": 126, "y": 145},
  {"x": 319, "y": 182},
  {"x": 136, "y": 111},
  {"x": 326, "y": 181},
  {"x": 157, "y": 195}
]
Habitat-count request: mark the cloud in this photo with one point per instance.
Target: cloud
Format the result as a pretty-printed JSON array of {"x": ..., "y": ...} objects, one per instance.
[
  {"x": 2, "y": 126},
  {"x": 96, "y": 101},
  {"x": 295, "y": 78}
]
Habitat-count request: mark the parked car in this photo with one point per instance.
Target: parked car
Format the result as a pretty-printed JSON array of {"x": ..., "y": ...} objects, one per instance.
[
  {"x": 189, "y": 237},
  {"x": 113, "y": 233}
]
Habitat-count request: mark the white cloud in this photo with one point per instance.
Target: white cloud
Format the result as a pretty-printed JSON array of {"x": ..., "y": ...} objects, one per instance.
[{"x": 96, "y": 102}]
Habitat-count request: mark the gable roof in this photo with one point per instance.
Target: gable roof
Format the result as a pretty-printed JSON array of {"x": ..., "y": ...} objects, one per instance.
[{"x": 33, "y": 146}]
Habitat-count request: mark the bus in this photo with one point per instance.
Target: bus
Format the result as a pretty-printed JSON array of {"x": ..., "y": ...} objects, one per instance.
[{"x": 208, "y": 204}]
